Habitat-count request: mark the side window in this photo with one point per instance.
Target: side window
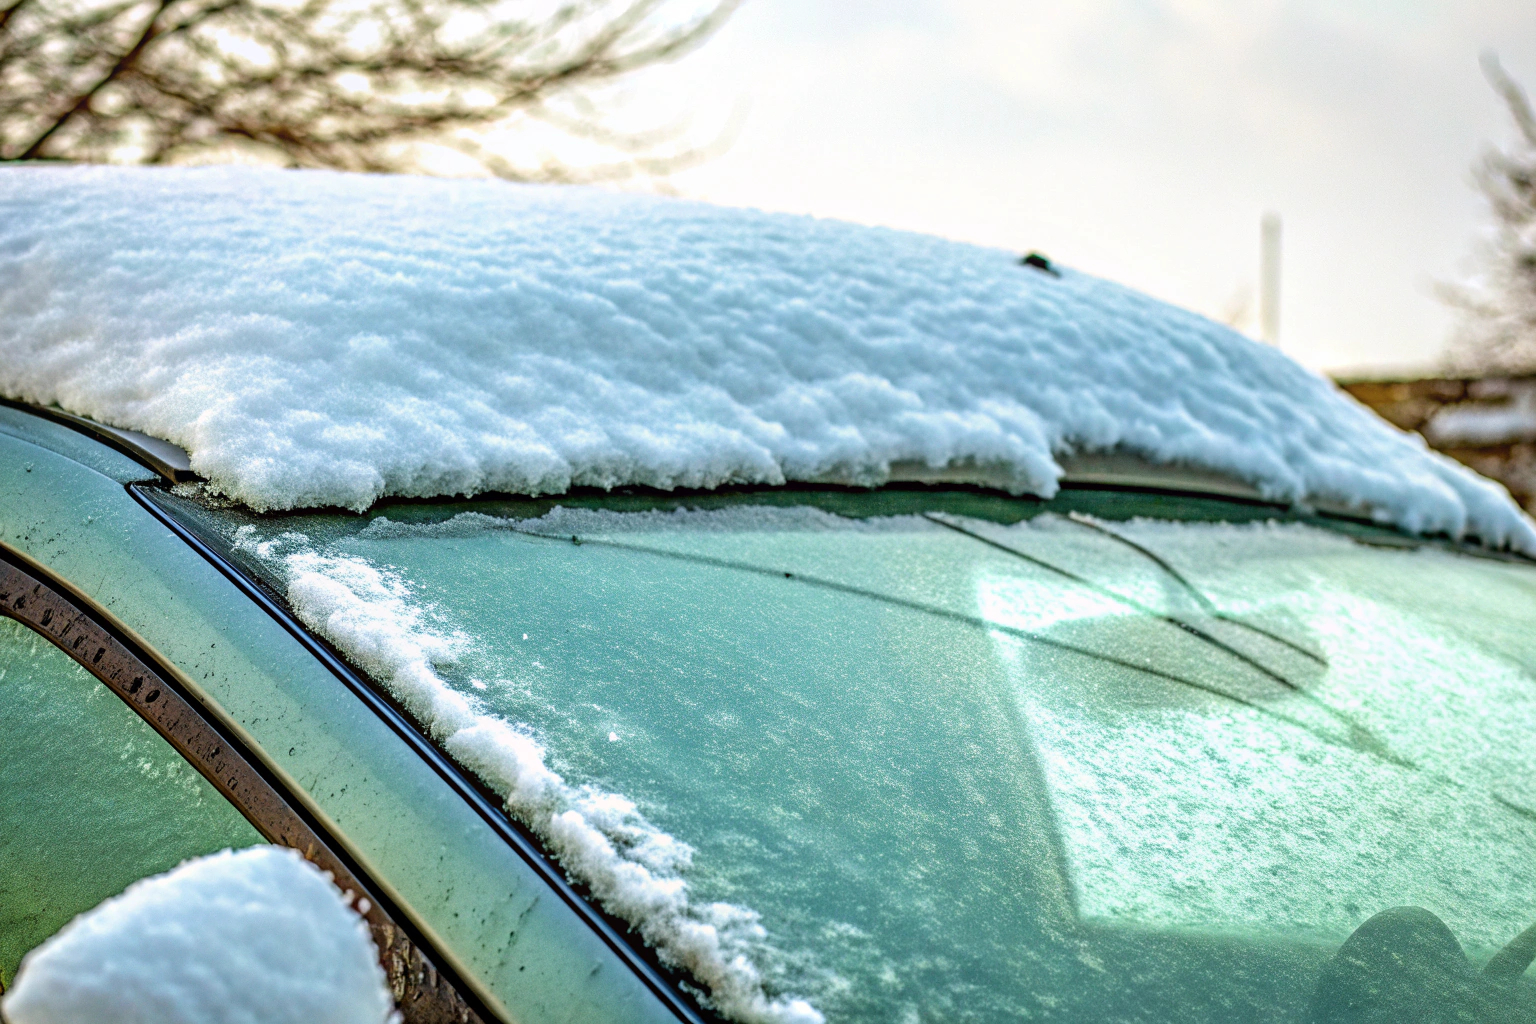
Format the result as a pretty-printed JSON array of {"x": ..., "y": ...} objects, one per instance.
[{"x": 91, "y": 797}]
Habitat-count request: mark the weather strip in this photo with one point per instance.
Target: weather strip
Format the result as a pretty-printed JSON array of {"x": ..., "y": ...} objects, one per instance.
[{"x": 486, "y": 803}]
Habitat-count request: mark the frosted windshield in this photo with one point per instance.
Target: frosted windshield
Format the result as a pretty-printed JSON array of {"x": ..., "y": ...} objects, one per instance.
[{"x": 935, "y": 768}]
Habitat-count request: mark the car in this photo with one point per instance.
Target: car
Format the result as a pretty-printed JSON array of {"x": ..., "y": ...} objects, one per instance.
[{"x": 652, "y": 612}]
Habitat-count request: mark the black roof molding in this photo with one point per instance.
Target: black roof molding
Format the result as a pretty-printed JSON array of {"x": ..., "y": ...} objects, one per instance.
[
  {"x": 170, "y": 461},
  {"x": 1116, "y": 469},
  {"x": 1119, "y": 470}
]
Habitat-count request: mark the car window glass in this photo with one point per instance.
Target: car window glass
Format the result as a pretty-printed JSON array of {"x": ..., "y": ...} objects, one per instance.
[
  {"x": 91, "y": 798},
  {"x": 954, "y": 769}
]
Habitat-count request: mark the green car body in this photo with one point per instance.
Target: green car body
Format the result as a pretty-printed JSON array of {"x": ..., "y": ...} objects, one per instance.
[
  {"x": 67, "y": 507},
  {"x": 482, "y": 902}
]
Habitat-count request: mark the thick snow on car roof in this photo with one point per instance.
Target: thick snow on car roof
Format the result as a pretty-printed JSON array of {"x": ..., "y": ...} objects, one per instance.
[{"x": 323, "y": 339}]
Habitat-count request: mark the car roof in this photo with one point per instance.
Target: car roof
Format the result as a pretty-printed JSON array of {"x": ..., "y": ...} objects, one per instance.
[{"x": 319, "y": 339}]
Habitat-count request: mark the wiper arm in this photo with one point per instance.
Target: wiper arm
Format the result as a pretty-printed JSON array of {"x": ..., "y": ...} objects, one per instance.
[
  {"x": 1359, "y": 739},
  {"x": 1128, "y": 602},
  {"x": 1204, "y": 602}
]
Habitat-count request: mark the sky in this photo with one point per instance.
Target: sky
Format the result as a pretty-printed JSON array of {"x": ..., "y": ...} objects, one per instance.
[{"x": 1139, "y": 140}]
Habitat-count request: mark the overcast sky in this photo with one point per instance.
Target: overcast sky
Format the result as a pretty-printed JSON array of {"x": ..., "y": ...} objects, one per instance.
[{"x": 1140, "y": 140}]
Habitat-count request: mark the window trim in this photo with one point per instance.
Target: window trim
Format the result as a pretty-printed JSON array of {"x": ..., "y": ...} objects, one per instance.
[
  {"x": 476, "y": 794},
  {"x": 170, "y": 461},
  {"x": 426, "y": 987}
]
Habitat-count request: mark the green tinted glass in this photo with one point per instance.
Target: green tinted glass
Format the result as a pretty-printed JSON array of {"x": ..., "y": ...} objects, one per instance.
[
  {"x": 977, "y": 770},
  {"x": 91, "y": 798}
]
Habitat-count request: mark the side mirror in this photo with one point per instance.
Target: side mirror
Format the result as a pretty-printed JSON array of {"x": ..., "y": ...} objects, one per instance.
[{"x": 258, "y": 936}]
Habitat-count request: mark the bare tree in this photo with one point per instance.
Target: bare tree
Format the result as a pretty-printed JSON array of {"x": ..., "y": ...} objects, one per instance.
[
  {"x": 372, "y": 85},
  {"x": 1498, "y": 329}
]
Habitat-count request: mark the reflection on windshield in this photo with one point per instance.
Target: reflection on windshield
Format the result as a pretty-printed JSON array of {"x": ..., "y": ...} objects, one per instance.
[
  {"x": 1134, "y": 605},
  {"x": 1404, "y": 964},
  {"x": 1206, "y": 606},
  {"x": 1358, "y": 735},
  {"x": 1354, "y": 735},
  {"x": 965, "y": 771}
]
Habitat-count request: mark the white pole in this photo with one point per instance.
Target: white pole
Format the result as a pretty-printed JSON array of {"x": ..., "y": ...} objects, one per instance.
[{"x": 1269, "y": 278}]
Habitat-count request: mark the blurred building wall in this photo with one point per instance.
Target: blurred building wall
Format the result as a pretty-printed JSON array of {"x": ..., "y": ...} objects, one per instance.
[{"x": 1488, "y": 423}]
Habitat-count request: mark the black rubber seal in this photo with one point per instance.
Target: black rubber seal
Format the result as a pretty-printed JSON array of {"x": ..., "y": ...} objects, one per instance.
[
  {"x": 613, "y": 931},
  {"x": 54, "y": 610}
]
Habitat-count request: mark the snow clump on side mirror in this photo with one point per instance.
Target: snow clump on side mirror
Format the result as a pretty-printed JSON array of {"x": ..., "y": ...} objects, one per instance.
[{"x": 258, "y": 936}]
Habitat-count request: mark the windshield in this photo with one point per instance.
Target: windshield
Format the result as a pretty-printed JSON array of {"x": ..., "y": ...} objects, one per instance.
[{"x": 949, "y": 764}]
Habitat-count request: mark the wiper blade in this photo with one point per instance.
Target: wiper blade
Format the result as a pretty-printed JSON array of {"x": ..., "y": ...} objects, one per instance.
[
  {"x": 1204, "y": 602},
  {"x": 1128, "y": 602},
  {"x": 1359, "y": 740}
]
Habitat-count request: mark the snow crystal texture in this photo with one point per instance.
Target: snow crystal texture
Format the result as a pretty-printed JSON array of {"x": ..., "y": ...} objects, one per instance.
[
  {"x": 254, "y": 937},
  {"x": 631, "y": 867},
  {"x": 323, "y": 339}
]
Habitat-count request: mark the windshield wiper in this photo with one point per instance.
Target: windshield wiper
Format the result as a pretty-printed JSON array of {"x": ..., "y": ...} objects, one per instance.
[
  {"x": 1359, "y": 739},
  {"x": 1204, "y": 602},
  {"x": 1128, "y": 602}
]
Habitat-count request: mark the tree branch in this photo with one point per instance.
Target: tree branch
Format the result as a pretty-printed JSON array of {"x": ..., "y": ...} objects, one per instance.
[
  {"x": 1514, "y": 97},
  {"x": 146, "y": 36},
  {"x": 356, "y": 84}
]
